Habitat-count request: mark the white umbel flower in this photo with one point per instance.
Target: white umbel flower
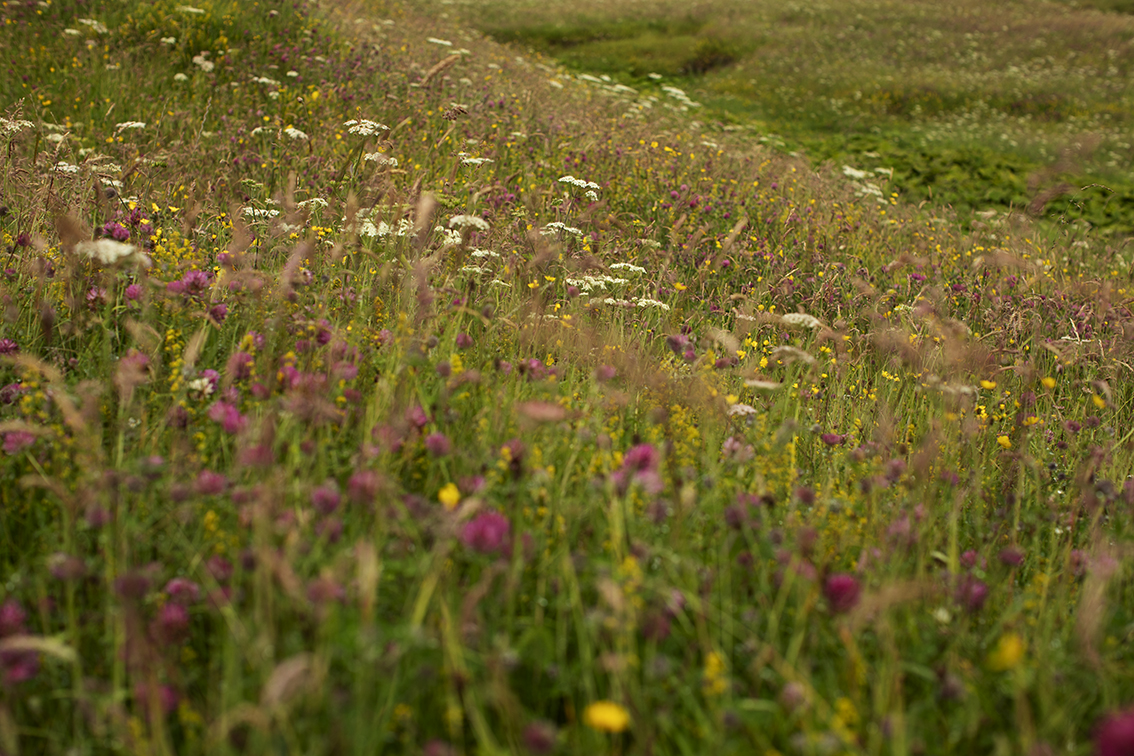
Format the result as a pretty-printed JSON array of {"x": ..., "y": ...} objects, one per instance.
[{"x": 109, "y": 251}]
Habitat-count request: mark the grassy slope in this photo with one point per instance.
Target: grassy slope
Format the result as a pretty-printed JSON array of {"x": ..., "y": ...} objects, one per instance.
[
  {"x": 374, "y": 398},
  {"x": 982, "y": 106}
]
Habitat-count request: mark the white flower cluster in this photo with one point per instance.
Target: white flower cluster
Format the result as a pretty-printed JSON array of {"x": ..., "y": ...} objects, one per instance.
[
  {"x": 442, "y": 42},
  {"x": 63, "y": 167},
  {"x": 680, "y": 96},
  {"x": 801, "y": 319},
  {"x": 258, "y": 215},
  {"x": 294, "y": 133},
  {"x": 383, "y": 229},
  {"x": 201, "y": 61},
  {"x": 109, "y": 251},
  {"x": 365, "y": 128},
  {"x": 190, "y": 10},
  {"x": 554, "y": 226},
  {"x": 380, "y": 159},
  {"x": 640, "y": 302},
  {"x": 452, "y": 237},
  {"x": 627, "y": 267},
  {"x": 266, "y": 80},
  {"x": 587, "y": 284},
  {"x": 129, "y": 125},
  {"x": 482, "y": 253},
  {"x": 12, "y": 126},
  {"x": 313, "y": 202},
  {"x": 169, "y": 40},
  {"x": 468, "y": 221},
  {"x": 476, "y": 160},
  {"x": 96, "y": 26},
  {"x": 863, "y": 188},
  {"x": 579, "y": 183}
]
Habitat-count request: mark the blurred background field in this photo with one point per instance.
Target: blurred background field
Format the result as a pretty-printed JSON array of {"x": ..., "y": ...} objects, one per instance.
[{"x": 983, "y": 106}]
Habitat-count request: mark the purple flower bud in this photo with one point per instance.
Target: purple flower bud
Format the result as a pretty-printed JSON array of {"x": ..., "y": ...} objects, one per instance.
[
  {"x": 487, "y": 532},
  {"x": 219, "y": 312},
  {"x": 1115, "y": 735},
  {"x": 172, "y": 624},
  {"x": 971, "y": 593},
  {"x": 1011, "y": 556},
  {"x": 539, "y": 737},
  {"x": 220, "y": 568},
  {"x": 416, "y": 416},
  {"x": 211, "y": 483},
  {"x": 363, "y": 486},
  {"x": 464, "y": 341},
  {"x": 833, "y": 439},
  {"x": 12, "y": 617},
  {"x": 842, "y": 592},
  {"x": 325, "y": 498},
  {"x": 438, "y": 444},
  {"x": 16, "y": 441},
  {"x": 183, "y": 591}
]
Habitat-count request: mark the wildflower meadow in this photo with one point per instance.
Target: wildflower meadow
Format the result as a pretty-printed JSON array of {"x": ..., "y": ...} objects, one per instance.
[{"x": 368, "y": 385}]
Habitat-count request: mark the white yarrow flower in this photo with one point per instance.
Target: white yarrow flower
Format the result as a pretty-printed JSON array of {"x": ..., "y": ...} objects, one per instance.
[
  {"x": 203, "y": 63},
  {"x": 96, "y": 26},
  {"x": 12, "y": 126},
  {"x": 294, "y": 133},
  {"x": 627, "y": 267},
  {"x": 741, "y": 409},
  {"x": 468, "y": 221},
  {"x": 365, "y": 128},
  {"x": 380, "y": 159},
  {"x": 63, "y": 167},
  {"x": 801, "y": 319},
  {"x": 109, "y": 251},
  {"x": 129, "y": 125}
]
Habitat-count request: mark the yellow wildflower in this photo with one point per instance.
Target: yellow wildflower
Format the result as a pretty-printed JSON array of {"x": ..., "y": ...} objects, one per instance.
[
  {"x": 1008, "y": 654},
  {"x": 450, "y": 496},
  {"x": 606, "y": 716}
]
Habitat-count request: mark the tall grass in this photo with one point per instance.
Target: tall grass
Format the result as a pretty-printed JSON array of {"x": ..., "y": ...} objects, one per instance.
[{"x": 368, "y": 387}]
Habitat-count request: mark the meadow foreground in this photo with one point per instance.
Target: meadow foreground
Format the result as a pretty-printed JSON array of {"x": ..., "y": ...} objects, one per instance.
[{"x": 369, "y": 387}]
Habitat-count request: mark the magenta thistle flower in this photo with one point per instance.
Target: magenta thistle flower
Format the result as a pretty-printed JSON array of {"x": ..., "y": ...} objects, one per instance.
[
  {"x": 487, "y": 532},
  {"x": 211, "y": 483},
  {"x": 833, "y": 439},
  {"x": 7, "y": 346},
  {"x": 363, "y": 486},
  {"x": 971, "y": 593},
  {"x": 12, "y": 617},
  {"x": 842, "y": 592},
  {"x": 438, "y": 444},
  {"x": 16, "y": 441},
  {"x": 1115, "y": 736},
  {"x": 18, "y": 666},
  {"x": 325, "y": 498},
  {"x": 171, "y": 624},
  {"x": 183, "y": 591},
  {"x": 1011, "y": 556},
  {"x": 228, "y": 416},
  {"x": 464, "y": 341},
  {"x": 416, "y": 416}
]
